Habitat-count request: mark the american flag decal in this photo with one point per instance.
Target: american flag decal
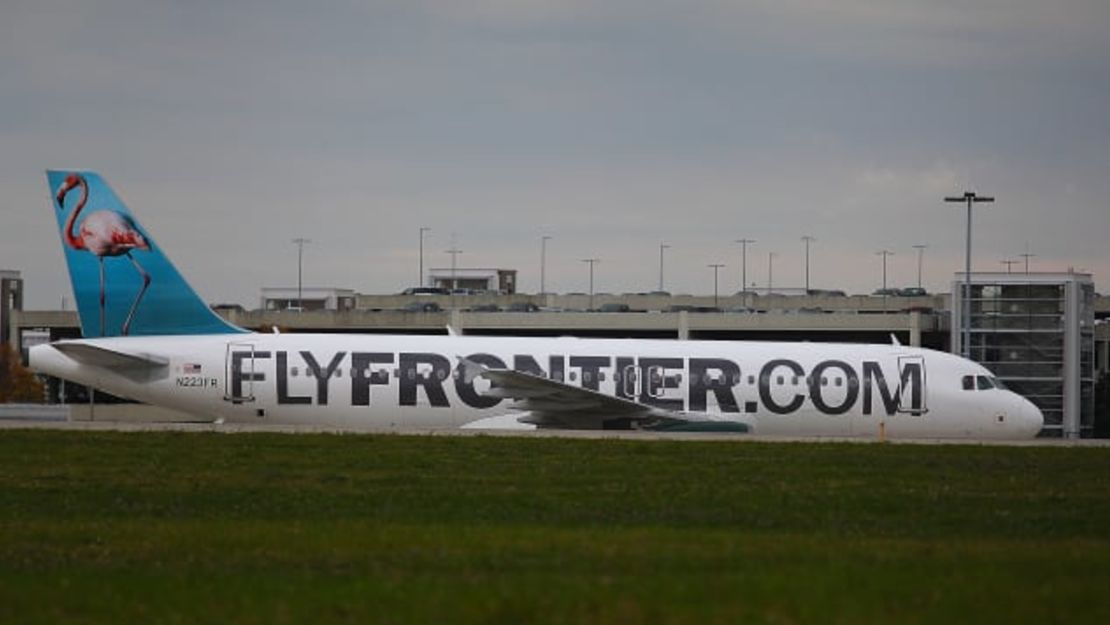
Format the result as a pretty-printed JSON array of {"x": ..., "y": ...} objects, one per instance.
[{"x": 190, "y": 367}]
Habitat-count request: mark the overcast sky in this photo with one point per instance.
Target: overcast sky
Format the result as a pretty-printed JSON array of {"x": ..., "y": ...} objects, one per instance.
[{"x": 230, "y": 128}]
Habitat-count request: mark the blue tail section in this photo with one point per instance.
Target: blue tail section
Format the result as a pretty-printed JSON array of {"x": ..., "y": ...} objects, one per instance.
[{"x": 123, "y": 283}]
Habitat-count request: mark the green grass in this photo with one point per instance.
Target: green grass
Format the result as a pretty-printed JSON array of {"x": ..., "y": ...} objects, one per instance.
[{"x": 277, "y": 528}]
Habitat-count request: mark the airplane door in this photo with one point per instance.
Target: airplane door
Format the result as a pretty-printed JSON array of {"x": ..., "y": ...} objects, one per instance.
[
  {"x": 239, "y": 373},
  {"x": 911, "y": 385},
  {"x": 631, "y": 381}
]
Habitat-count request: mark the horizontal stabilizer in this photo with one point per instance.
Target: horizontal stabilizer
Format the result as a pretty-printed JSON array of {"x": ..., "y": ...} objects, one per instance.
[{"x": 98, "y": 356}]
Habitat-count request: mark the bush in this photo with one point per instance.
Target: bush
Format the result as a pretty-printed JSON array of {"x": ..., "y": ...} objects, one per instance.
[{"x": 17, "y": 383}]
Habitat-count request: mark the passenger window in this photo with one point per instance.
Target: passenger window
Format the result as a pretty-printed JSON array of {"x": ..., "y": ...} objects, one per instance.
[
  {"x": 751, "y": 379},
  {"x": 293, "y": 372},
  {"x": 779, "y": 381},
  {"x": 969, "y": 383},
  {"x": 839, "y": 382}
]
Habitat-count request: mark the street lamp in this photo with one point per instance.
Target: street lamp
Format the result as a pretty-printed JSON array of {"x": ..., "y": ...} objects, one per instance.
[
  {"x": 716, "y": 267},
  {"x": 884, "y": 254},
  {"x": 968, "y": 198},
  {"x": 454, "y": 252},
  {"x": 1009, "y": 264},
  {"x": 920, "y": 256},
  {"x": 1027, "y": 256},
  {"x": 662, "y": 246},
  {"x": 744, "y": 264},
  {"x": 423, "y": 229},
  {"x": 591, "y": 262},
  {"x": 770, "y": 271},
  {"x": 300, "y": 241},
  {"x": 543, "y": 263},
  {"x": 807, "y": 239}
]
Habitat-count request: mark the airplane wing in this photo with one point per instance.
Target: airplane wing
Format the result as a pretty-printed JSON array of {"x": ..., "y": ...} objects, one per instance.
[{"x": 552, "y": 404}]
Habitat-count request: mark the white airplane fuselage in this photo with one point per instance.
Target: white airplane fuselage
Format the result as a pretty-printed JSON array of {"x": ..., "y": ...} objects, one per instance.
[{"x": 769, "y": 388}]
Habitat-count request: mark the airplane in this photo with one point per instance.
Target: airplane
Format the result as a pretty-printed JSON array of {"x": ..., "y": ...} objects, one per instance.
[{"x": 149, "y": 337}]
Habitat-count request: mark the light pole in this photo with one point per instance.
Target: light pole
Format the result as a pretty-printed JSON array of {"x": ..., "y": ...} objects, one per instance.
[
  {"x": 807, "y": 239},
  {"x": 884, "y": 254},
  {"x": 662, "y": 246},
  {"x": 423, "y": 229},
  {"x": 454, "y": 252},
  {"x": 716, "y": 267},
  {"x": 543, "y": 263},
  {"x": 968, "y": 198},
  {"x": 1027, "y": 256},
  {"x": 920, "y": 256},
  {"x": 591, "y": 262},
  {"x": 1009, "y": 264},
  {"x": 770, "y": 271},
  {"x": 744, "y": 264},
  {"x": 300, "y": 241}
]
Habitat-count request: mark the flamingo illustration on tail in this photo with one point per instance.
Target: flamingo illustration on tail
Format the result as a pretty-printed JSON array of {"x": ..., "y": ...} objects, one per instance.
[
  {"x": 104, "y": 233},
  {"x": 115, "y": 298}
]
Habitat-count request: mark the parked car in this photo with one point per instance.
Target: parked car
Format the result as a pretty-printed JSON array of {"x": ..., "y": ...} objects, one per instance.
[
  {"x": 425, "y": 290},
  {"x": 522, "y": 307},
  {"x": 913, "y": 291},
  {"x": 614, "y": 307},
  {"x": 425, "y": 307}
]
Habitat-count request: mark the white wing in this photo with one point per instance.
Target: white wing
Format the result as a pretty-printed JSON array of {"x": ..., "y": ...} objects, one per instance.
[{"x": 553, "y": 404}]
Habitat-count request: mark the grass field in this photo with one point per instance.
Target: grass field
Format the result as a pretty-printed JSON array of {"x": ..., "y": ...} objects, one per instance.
[{"x": 278, "y": 528}]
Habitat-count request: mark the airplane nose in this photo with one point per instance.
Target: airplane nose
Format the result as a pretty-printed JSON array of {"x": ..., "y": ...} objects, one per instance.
[{"x": 1032, "y": 420}]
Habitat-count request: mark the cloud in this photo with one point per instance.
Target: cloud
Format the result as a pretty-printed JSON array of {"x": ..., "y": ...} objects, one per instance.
[{"x": 610, "y": 126}]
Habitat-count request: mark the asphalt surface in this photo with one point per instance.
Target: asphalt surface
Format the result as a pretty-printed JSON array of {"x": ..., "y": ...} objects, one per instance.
[{"x": 236, "y": 428}]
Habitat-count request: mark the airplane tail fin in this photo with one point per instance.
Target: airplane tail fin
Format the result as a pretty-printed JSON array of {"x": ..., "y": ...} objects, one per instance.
[{"x": 122, "y": 282}]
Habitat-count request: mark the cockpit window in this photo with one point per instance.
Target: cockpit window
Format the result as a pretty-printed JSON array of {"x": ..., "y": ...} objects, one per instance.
[
  {"x": 969, "y": 382},
  {"x": 983, "y": 383},
  {"x": 999, "y": 384}
]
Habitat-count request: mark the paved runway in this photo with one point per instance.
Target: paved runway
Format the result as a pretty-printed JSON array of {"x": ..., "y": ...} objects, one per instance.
[{"x": 235, "y": 428}]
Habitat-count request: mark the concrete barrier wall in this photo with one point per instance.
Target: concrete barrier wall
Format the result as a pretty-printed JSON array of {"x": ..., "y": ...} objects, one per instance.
[
  {"x": 34, "y": 412},
  {"x": 132, "y": 413}
]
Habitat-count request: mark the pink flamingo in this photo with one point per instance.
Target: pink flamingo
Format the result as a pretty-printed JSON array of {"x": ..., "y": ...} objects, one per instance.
[{"x": 104, "y": 233}]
